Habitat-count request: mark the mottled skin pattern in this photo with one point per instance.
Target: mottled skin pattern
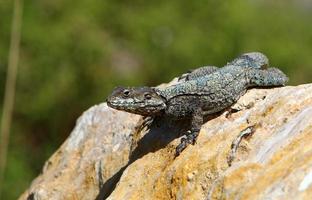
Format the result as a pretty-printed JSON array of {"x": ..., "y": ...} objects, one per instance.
[{"x": 204, "y": 91}]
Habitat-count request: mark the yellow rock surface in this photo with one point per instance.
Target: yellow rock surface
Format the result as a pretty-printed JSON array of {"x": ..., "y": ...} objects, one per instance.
[{"x": 275, "y": 162}]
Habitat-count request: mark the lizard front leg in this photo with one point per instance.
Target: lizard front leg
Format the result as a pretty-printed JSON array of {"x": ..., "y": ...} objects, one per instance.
[
  {"x": 191, "y": 136},
  {"x": 147, "y": 122},
  {"x": 136, "y": 136}
]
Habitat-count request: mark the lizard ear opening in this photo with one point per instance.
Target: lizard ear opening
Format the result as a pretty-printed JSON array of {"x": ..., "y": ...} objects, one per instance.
[{"x": 147, "y": 96}]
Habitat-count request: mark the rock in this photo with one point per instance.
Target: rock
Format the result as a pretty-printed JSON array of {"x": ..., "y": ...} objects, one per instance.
[
  {"x": 275, "y": 162},
  {"x": 89, "y": 159}
]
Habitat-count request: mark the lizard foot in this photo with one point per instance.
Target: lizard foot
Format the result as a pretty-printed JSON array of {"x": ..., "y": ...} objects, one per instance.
[
  {"x": 185, "y": 141},
  {"x": 183, "y": 144}
]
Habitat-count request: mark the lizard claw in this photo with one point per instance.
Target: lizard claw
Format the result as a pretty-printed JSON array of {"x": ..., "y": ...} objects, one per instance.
[
  {"x": 180, "y": 148},
  {"x": 185, "y": 141}
]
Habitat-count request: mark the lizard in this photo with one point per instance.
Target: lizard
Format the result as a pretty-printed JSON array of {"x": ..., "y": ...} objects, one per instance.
[{"x": 204, "y": 91}]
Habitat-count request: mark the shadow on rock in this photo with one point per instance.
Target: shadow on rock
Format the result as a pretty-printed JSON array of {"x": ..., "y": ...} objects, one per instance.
[{"x": 160, "y": 134}]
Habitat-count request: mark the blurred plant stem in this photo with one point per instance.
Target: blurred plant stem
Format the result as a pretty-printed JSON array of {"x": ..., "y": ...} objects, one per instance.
[{"x": 9, "y": 95}]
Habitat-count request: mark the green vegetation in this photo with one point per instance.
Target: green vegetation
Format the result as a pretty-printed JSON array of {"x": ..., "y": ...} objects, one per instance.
[{"x": 73, "y": 53}]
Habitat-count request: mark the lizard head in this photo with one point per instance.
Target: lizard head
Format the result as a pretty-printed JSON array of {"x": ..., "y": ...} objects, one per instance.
[{"x": 139, "y": 100}]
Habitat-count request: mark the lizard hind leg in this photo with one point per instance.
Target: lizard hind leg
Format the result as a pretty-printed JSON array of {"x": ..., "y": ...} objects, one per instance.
[
  {"x": 266, "y": 77},
  {"x": 259, "y": 60},
  {"x": 196, "y": 73},
  {"x": 255, "y": 60}
]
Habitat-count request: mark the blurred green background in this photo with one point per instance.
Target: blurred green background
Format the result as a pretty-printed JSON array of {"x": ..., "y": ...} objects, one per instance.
[{"x": 74, "y": 52}]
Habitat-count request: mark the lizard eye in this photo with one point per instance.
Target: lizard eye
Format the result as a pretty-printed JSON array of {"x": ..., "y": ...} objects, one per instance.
[
  {"x": 147, "y": 96},
  {"x": 126, "y": 93}
]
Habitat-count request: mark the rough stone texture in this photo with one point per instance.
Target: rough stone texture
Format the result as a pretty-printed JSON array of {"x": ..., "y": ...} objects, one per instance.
[
  {"x": 273, "y": 163},
  {"x": 88, "y": 160}
]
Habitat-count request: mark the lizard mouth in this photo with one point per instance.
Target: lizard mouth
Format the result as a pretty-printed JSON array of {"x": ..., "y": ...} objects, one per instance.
[
  {"x": 140, "y": 108},
  {"x": 134, "y": 105}
]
